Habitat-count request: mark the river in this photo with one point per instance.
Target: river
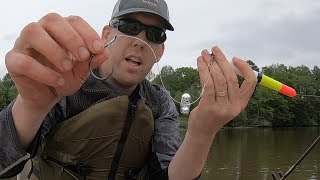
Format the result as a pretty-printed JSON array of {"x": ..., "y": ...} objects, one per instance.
[{"x": 254, "y": 153}]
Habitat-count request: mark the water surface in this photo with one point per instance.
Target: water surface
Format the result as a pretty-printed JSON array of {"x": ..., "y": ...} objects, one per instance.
[{"x": 254, "y": 153}]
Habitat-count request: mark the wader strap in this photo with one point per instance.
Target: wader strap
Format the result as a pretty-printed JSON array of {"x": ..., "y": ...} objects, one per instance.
[
  {"x": 132, "y": 107},
  {"x": 36, "y": 172},
  {"x": 33, "y": 171},
  {"x": 78, "y": 171}
]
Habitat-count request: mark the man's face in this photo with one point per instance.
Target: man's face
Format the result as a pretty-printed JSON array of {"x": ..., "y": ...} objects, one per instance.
[{"x": 131, "y": 58}]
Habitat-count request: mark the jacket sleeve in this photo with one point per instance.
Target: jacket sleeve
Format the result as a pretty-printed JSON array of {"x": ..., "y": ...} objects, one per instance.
[
  {"x": 166, "y": 139},
  {"x": 12, "y": 156}
]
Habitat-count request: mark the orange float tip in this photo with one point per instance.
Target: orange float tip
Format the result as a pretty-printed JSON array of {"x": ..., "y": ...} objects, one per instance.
[{"x": 288, "y": 91}]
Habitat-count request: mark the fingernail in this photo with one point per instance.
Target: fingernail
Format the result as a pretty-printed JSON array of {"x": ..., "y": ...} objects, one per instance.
[
  {"x": 97, "y": 45},
  {"x": 206, "y": 52},
  {"x": 200, "y": 59},
  {"x": 66, "y": 64},
  {"x": 215, "y": 49},
  {"x": 61, "y": 82},
  {"x": 83, "y": 53},
  {"x": 236, "y": 59}
]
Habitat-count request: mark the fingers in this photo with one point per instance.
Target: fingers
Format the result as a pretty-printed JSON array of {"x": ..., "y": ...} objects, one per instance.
[
  {"x": 53, "y": 35},
  {"x": 38, "y": 39},
  {"x": 250, "y": 79},
  {"x": 219, "y": 80},
  {"x": 87, "y": 33},
  {"x": 81, "y": 69},
  {"x": 19, "y": 64},
  {"x": 225, "y": 82},
  {"x": 228, "y": 72},
  {"x": 64, "y": 42},
  {"x": 93, "y": 42},
  {"x": 68, "y": 36},
  {"x": 206, "y": 81}
]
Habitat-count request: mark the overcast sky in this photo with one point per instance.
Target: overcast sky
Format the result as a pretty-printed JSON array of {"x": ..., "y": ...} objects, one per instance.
[{"x": 265, "y": 31}]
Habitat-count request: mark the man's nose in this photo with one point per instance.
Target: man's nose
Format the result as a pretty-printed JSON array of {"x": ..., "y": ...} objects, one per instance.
[{"x": 143, "y": 37}]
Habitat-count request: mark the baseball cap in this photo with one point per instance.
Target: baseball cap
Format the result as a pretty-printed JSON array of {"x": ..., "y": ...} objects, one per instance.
[{"x": 157, "y": 7}]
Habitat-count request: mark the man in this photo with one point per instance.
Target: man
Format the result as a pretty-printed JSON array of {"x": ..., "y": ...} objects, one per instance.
[{"x": 122, "y": 128}]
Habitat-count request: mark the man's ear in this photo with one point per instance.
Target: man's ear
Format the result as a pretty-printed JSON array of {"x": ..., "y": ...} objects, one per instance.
[
  {"x": 161, "y": 51},
  {"x": 105, "y": 33}
]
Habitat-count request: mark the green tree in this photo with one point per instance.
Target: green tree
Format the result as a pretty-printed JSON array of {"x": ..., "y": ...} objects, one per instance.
[
  {"x": 8, "y": 91},
  {"x": 179, "y": 81}
]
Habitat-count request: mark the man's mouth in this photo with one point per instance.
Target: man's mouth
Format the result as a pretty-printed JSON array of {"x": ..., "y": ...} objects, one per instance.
[{"x": 134, "y": 61}]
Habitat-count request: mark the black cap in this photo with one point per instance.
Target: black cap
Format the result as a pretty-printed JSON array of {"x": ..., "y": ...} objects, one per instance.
[{"x": 157, "y": 7}]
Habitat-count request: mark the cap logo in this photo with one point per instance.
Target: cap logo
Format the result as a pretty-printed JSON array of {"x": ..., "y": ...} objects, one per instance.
[{"x": 152, "y": 2}]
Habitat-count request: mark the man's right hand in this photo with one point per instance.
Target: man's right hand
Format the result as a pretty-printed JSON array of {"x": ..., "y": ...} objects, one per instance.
[
  {"x": 50, "y": 58},
  {"x": 48, "y": 61}
]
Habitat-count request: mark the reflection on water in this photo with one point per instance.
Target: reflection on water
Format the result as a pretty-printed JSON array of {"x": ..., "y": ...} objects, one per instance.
[{"x": 254, "y": 153}]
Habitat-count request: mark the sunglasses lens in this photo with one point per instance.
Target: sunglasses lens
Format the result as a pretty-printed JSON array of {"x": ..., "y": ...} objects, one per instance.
[
  {"x": 156, "y": 35},
  {"x": 132, "y": 27}
]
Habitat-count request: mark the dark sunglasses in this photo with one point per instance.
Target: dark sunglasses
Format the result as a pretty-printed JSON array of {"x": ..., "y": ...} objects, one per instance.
[{"x": 133, "y": 27}]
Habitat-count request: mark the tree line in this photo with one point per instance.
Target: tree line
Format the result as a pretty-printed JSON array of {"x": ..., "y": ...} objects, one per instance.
[
  {"x": 8, "y": 91},
  {"x": 266, "y": 108}
]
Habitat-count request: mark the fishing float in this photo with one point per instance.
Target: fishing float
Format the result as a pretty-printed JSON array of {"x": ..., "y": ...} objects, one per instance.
[{"x": 270, "y": 83}]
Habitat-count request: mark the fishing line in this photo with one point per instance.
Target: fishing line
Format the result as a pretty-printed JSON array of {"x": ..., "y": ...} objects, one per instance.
[
  {"x": 185, "y": 105},
  {"x": 92, "y": 56},
  {"x": 307, "y": 95}
]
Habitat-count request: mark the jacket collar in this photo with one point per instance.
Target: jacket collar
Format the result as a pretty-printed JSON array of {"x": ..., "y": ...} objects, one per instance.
[{"x": 94, "y": 85}]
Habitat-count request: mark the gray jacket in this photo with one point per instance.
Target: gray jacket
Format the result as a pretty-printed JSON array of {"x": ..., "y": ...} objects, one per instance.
[{"x": 165, "y": 142}]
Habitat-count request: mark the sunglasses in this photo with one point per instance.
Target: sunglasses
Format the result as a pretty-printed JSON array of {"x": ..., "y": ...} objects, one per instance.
[{"x": 133, "y": 28}]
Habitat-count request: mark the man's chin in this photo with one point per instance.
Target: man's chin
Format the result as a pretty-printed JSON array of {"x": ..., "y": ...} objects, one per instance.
[{"x": 127, "y": 82}]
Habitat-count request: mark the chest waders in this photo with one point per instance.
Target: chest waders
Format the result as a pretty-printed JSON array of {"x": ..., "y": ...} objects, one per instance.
[{"x": 107, "y": 141}]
